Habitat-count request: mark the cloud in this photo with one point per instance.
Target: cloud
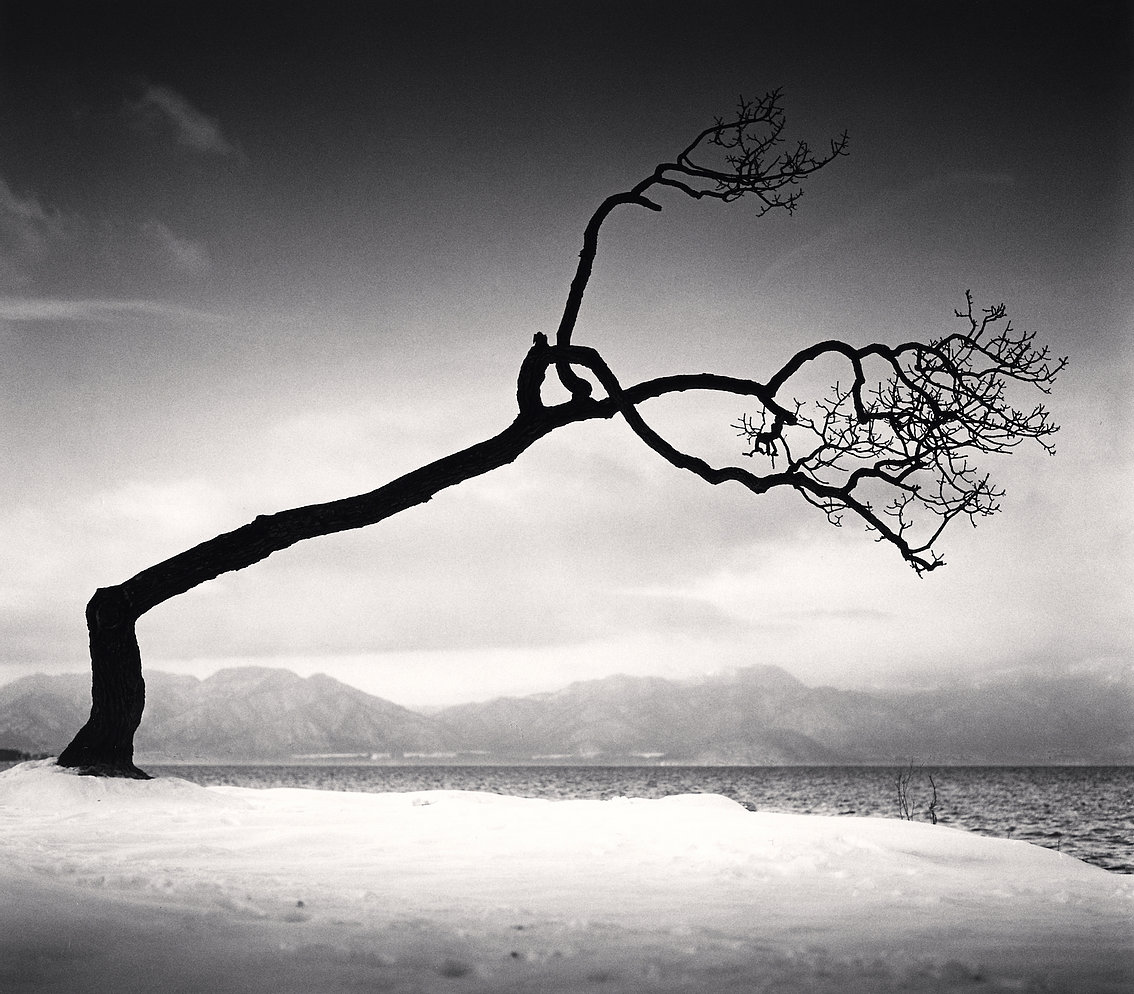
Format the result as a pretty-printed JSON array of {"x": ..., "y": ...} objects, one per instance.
[
  {"x": 165, "y": 107},
  {"x": 23, "y": 219},
  {"x": 184, "y": 256},
  {"x": 27, "y": 231},
  {"x": 34, "y": 309},
  {"x": 40, "y": 246}
]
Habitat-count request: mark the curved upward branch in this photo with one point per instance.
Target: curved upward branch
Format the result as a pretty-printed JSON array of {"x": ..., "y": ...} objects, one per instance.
[
  {"x": 749, "y": 162},
  {"x": 576, "y": 385}
]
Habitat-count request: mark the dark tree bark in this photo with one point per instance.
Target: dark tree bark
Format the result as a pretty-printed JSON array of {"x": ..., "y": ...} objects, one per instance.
[
  {"x": 907, "y": 431},
  {"x": 105, "y": 744}
]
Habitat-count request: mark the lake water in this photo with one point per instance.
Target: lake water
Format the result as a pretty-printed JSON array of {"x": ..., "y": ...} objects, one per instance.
[{"x": 1087, "y": 812}]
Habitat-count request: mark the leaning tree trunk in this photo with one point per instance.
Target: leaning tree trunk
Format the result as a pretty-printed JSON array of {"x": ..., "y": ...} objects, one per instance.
[{"x": 104, "y": 745}]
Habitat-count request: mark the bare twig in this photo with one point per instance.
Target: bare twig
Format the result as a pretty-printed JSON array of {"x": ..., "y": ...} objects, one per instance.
[{"x": 905, "y": 775}]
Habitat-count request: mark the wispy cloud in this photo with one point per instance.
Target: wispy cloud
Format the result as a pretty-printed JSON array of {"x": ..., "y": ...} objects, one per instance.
[
  {"x": 24, "y": 217},
  {"x": 27, "y": 230},
  {"x": 32, "y": 309},
  {"x": 185, "y": 256},
  {"x": 44, "y": 247},
  {"x": 191, "y": 127}
]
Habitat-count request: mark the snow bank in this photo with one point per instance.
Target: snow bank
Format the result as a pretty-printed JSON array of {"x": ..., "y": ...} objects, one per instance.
[{"x": 167, "y": 886}]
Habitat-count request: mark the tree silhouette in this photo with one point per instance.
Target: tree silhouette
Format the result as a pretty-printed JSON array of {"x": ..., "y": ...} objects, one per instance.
[{"x": 891, "y": 446}]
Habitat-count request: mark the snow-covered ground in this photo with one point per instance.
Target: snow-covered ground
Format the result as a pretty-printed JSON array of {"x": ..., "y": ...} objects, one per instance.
[{"x": 165, "y": 886}]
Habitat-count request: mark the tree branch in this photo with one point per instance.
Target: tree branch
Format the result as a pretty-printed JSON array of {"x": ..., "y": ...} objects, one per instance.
[
  {"x": 911, "y": 433},
  {"x": 907, "y": 436},
  {"x": 745, "y": 166}
]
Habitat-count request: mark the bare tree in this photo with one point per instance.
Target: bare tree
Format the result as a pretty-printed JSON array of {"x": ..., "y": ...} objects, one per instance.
[
  {"x": 905, "y": 775},
  {"x": 902, "y": 781},
  {"x": 907, "y": 422}
]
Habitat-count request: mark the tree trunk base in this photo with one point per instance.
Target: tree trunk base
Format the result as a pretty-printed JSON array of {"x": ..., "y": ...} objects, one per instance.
[
  {"x": 104, "y": 746},
  {"x": 126, "y": 771},
  {"x": 99, "y": 751}
]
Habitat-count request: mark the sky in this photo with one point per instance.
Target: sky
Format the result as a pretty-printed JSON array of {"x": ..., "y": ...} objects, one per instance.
[{"x": 261, "y": 255}]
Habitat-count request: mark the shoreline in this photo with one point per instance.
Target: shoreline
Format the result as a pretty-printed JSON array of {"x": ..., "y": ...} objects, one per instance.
[{"x": 140, "y": 886}]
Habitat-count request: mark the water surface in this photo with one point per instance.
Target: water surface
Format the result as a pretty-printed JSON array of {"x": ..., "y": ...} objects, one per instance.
[{"x": 1087, "y": 812}]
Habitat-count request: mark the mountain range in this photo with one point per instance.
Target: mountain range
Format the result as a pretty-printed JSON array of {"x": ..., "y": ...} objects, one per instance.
[{"x": 758, "y": 715}]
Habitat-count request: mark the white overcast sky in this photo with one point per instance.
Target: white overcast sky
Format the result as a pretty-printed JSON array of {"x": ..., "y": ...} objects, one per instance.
[{"x": 257, "y": 255}]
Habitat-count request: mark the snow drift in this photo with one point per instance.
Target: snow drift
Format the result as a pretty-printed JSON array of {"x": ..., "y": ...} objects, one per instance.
[{"x": 167, "y": 886}]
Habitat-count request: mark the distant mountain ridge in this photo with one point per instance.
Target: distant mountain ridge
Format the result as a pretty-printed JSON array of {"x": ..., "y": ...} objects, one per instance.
[
  {"x": 762, "y": 715},
  {"x": 244, "y": 713},
  {"x": 759, "y": 715}
]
